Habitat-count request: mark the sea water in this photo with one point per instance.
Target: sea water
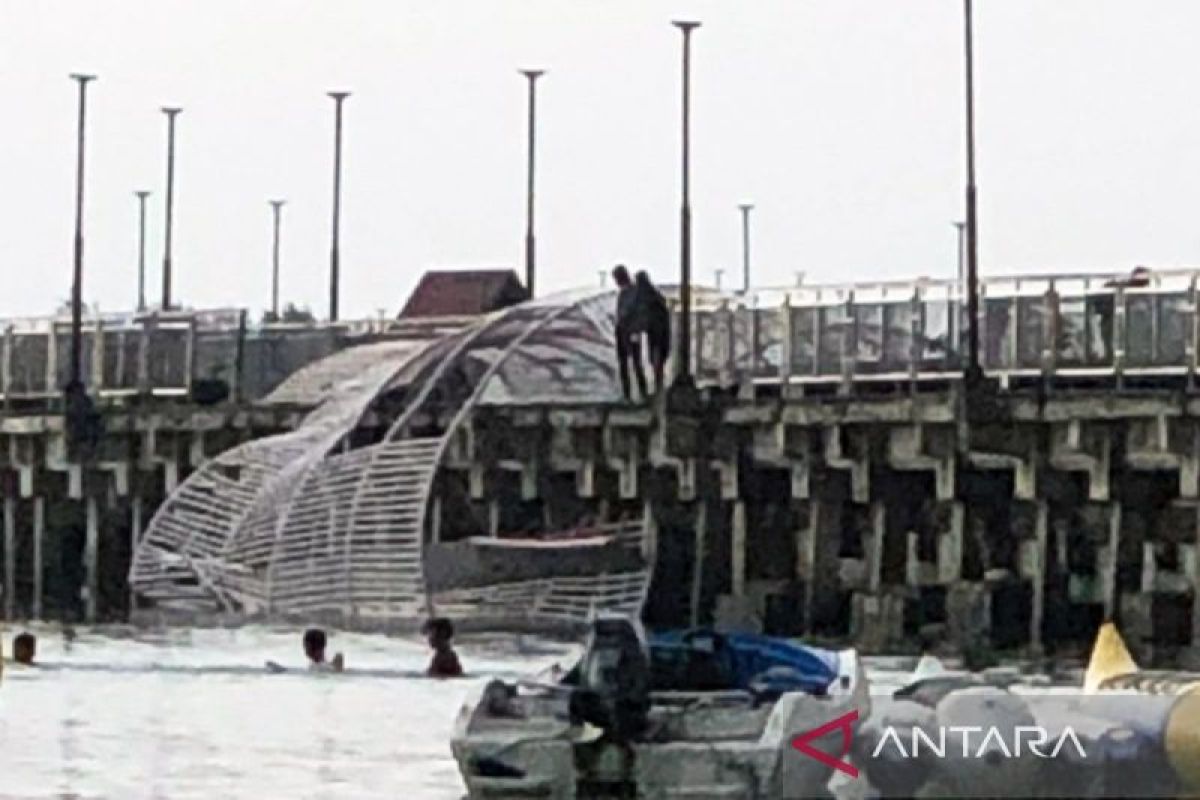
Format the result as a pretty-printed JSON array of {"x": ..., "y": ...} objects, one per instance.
[
  {"x": 189, "y": 713},
  {"x": 181, "y": 713}
]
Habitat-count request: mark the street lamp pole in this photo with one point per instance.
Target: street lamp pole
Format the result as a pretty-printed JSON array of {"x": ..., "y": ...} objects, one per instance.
[
  {"x": 746, "y": 207},
  {"x": 166, "y": 276},
  {"x": 530, "y": 245},
  {"x": 334, "y": 264},
  {"x": 141, "y": 195},
  {"x": 972, "y": 227},
  {"x": 277, "y": 213},
  {"x": 75, "y": 382},
  {"x": 683, "y": 369}
]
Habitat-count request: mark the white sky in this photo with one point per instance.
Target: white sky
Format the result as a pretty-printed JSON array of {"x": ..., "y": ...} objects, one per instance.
[{"x": 840, "y": 119}]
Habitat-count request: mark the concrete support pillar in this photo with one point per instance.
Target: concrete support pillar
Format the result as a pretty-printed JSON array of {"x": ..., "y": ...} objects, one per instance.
[
  {"x": 1149, "y": 568},
  {"x": 1033, "y": 568},
  {"x": 874, "y": 547},
  {"x": 1107, "y": 568},
  {"x": 950, "y": 544},
  {"x": 91, "y": 557},
  {"x": 912, "y": 561},
  {"x": 39, "y": 535},
  {"x": 135, "y": 537},
  {"x": 10, "y": 557},
  {"x": 701, "y": 543},
  {"x": 493, "y": 517},
  {"x": 806, "y": 538},
  {"x": 650, "y": 539},
  {"x": 738, "y": 557}
]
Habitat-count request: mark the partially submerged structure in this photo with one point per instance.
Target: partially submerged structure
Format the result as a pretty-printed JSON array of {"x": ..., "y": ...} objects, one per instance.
[{"x": 336, "y": 517}]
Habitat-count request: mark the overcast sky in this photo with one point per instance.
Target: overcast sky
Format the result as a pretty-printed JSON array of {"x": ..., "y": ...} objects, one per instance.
[{"x": 840, "y": 119}]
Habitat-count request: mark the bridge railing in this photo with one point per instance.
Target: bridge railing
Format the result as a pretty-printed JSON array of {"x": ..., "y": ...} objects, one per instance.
[
  {"x": 1042, "y": 325},
  {"x": 157, "y": 354}
]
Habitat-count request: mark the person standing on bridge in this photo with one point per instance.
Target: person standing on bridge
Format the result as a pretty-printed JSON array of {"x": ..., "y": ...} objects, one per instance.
[
  {"x": 653, "y": 317},
  {"x": 628, "y": 335}
]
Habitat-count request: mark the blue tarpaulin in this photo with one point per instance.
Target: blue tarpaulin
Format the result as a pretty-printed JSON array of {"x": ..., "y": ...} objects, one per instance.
[{"x": 702, "y": 659}]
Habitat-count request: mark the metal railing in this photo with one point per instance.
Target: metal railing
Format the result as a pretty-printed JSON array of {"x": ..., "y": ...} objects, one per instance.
[
  {"x": 158, "y": 353},
  {"x": 1030, "y": 325}
]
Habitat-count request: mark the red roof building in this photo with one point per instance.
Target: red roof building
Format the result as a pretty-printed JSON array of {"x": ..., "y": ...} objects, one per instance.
[{"x": 455, "y": 293}]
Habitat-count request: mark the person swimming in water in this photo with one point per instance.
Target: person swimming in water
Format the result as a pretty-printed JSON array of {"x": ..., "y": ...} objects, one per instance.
[
  {"x": 314, "y": 649},
  {"x": 24, "y": 648},
  {"x": 439, "y": 632}
]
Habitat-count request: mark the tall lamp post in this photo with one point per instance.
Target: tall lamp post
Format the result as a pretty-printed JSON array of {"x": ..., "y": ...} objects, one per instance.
[
  {"x": 277, "y": 214},
  {"x": 74, "y": 387},
  {"x": 746, "y": 208},
  {"x": 141, "y": 195},
  {"x": 683, "y": 369},
  {"x": 530, "y": 247},
  {"x": 972, "y": 228},
  {"x": 334, "y": 264},
  {"x": 171, "y": 113}
]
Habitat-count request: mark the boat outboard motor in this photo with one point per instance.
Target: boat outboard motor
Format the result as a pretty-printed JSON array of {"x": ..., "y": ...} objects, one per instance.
[{"x": 614, "y": 679}]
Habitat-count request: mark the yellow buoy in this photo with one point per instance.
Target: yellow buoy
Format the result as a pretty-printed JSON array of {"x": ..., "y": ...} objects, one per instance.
[{"x": 1110, "y": 659}]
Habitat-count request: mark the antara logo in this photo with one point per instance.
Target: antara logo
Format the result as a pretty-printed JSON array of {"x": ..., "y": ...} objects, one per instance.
[
  {"x": 992, "y": 741},
  {"x": 843, "y": 723}
]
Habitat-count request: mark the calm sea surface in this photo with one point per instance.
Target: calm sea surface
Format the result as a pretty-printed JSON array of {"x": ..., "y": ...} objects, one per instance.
[
  {"x": 188, "y": 713},
  {"x": 192, "y": 714}
]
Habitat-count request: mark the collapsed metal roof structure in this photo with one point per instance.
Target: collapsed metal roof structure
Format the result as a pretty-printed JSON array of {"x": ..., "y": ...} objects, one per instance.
[{"x": 330, "y": 519}]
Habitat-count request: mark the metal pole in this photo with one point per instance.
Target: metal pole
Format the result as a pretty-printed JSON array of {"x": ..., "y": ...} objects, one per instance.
[
  {"x": 746, "y": 207},
  {"x": 141, "y": 293},
  {"x": 717, "y": 273},
  {"x": 277, "y": 211},
  {"x": 683, "y": 376},
  {"x": 972, "y": 226},
  {"x": 166, "y": 276},
  {"x": 530, "y": 245},
  {"x": 75, "y": 382},
  {"x": 334, "y": 265}
]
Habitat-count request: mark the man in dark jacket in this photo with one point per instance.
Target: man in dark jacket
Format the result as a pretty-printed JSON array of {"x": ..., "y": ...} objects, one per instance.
[
  {"x": 653, "y": 318},
  {"x": 627, "y": 333}
]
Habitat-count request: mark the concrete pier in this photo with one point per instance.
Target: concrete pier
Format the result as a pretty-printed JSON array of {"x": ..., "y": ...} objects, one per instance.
[
  {"x": 872, "y": 519},
  {"x": 830, "y": 478}
]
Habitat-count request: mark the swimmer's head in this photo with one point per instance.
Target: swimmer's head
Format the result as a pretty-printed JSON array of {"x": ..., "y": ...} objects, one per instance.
[
  {"x": 314, "y": 644},
  {"x": 438, "y": 631},
  {"x": 24, "y": 648}
]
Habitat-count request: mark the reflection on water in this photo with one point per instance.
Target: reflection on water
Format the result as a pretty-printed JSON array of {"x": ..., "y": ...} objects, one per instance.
[{"x": 180, "y": 713}]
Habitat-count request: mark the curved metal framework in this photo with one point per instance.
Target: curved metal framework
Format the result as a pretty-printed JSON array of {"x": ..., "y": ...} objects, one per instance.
[{"x": 330, "y": 519}]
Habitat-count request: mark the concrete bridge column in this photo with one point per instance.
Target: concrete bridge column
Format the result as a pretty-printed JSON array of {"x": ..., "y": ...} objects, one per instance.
[
  {"x": 700, "y": 552},
  {"x": 10, "y": 556},
  {"x": 91, "y": 557},
  {"x": 738, "y": 539},
  {"x": 1032, "y": 556},
  {"x": 39, "y": 567}
]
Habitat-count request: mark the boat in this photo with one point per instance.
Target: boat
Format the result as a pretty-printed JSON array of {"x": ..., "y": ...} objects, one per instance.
[{"x": 685, "y": 715}]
